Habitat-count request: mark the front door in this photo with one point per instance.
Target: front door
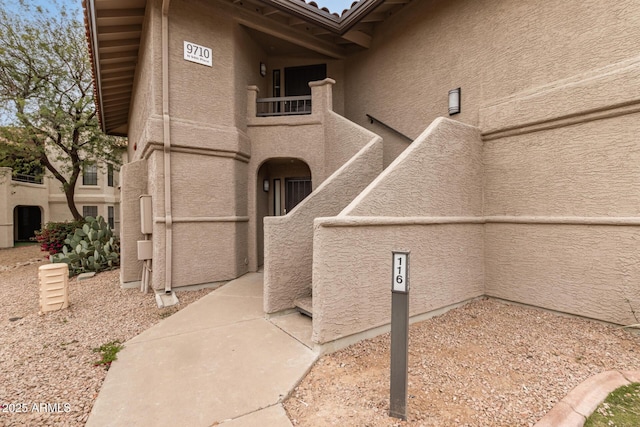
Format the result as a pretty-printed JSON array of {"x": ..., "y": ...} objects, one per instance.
[
  {"x": 296, "y": 79},
  {"x": 296, "y": 189}
]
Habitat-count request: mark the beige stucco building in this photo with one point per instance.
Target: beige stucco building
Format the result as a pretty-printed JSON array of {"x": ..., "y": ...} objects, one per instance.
[
  {"x": 235, "y": 110},
  {"x": 28, "y": 202}
]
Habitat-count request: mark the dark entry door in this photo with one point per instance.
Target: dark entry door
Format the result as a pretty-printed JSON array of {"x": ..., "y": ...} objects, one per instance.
[
  {"x": 29, "y": 220},
  {"x": 296, "y": 190},
  {"x": 296, "y": 79}
]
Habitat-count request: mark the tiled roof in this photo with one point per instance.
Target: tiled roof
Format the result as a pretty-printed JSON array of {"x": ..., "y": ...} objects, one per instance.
[{"x": 312, "y": 3}]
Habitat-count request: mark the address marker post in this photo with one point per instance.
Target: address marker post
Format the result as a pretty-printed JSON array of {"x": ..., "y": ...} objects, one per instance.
[{"x": 399, "y": 334}]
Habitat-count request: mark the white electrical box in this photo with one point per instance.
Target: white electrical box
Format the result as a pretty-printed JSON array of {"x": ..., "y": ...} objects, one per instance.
[
  {"x": 146, "y": 214},
  {"x": 145, "y": 250}
]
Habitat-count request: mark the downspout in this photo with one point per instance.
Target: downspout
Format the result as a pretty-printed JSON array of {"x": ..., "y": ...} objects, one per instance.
[{"x": 166, "y": 121}]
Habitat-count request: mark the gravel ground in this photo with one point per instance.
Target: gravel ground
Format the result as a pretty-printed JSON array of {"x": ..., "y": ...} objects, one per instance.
[
  {"x": 484, "y": 364},
  {"x": 49, "y": 359}
]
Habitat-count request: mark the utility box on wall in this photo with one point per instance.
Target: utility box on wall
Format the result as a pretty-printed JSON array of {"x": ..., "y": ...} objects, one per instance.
[
  {"x": 145, "y": 250},
  {"x": 54, "y": 287},
  {"x": 146, "y": 214}
]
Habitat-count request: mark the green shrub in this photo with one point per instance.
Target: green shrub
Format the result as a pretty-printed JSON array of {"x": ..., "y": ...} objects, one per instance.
[
  {"x": 90, "y": 248},
  {"x": 109, "y": 353},
  {"x": 53, "y": 235}
]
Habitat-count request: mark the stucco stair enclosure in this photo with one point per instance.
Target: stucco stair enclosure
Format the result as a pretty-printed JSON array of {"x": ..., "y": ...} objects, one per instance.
[
  {"x": 336, "y": 245},
  {"x": 429, "y": 201},
  {"x": 354, "y": 155}
]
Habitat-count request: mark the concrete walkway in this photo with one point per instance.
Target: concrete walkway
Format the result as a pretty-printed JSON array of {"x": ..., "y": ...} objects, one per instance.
[{"x": 216, "y": 361}]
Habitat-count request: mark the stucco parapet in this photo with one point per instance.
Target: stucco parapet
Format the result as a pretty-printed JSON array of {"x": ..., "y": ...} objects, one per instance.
[
  {"x": 564, "y": 220},
  {"x": 42, "y": 186},
  {"x": 368, "y": 221},
  {"x": 345, "y": 220},
  {"x": 327, "y": 81},
  {"x": 439, "y": 174},
  {"x": 612, "y": 87}
]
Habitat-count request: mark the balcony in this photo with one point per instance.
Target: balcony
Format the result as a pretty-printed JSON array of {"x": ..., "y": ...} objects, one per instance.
[
  {"x": 30, "y": 179},
  {"x": 290, "y": 110},
  {"x": 283, "y": 106}
]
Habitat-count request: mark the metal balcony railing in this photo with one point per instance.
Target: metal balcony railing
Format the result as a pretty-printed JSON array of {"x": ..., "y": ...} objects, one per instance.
[
  {"x": 284, "y": 106},
  {"x": 32, "y": 179}
]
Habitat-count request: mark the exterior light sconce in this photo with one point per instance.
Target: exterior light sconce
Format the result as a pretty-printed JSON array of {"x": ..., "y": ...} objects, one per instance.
[
  {"x": 265, "y": 185},
  {"x": 454, "y": 101},
  {"x": 263, "y": 69}
]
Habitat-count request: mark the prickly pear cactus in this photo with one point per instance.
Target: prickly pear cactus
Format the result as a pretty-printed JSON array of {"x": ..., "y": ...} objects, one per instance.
[{"x": 90, "y": 248}]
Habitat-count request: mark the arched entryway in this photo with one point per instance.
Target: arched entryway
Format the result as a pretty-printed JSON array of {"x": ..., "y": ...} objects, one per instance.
[
  {"x": 26, "y": 221},
  {"x": 282, "y": 184}
]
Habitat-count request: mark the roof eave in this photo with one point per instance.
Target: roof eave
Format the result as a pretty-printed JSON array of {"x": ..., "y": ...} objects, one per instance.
[
  {"x": 92, "y": 41},
  {"x": 327, "y": 20}
]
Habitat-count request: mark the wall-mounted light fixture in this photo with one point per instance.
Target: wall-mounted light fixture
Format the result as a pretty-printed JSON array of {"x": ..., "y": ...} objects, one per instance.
[
  {"x": 454, "y": 101},
  {"x": 263, "y": 69},
  {"x": 265, "y": 185}
]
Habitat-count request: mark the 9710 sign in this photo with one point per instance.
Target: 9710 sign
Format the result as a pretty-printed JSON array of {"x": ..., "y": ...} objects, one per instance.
[{"x": 198, "y": 54}]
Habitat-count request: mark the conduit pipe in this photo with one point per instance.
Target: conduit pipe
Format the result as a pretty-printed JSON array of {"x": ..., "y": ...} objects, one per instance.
[{"x": 166, "y": 121}]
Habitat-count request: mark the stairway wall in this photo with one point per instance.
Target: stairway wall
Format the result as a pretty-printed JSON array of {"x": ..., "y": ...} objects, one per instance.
[
  {"x": 429, "y": 202},
  {"x": 288, "y": 240}
]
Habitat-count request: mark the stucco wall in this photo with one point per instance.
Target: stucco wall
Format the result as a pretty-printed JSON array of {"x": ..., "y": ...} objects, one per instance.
[
  {"x": 280, "y": 137},
  {"x": 135, "y": 175},
  {"x": 587, "y": 169},
  {"x": 352, "y": 282},
  {"x": 342, "y": 140},
  {"x": 439, "y": 174},
  {"x": 490, "y": 48},
  {"x": 554, "y": 91},
  {"x": 14, "y": 193},
  {"x": 6, "y": 217},
  {"x": 567, "y": 175},
  {"x": 209, "y": 146},
  {"x": 415, "y": 204},
  {"x": 288, "y": 239},
  {"x": 209, "y": 218},
  {"x": 591, "y": 271},
  {"x": 147, "y": 96}
]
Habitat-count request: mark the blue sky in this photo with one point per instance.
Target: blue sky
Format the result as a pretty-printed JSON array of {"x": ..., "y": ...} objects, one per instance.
[{"x": 334, "y": 5}]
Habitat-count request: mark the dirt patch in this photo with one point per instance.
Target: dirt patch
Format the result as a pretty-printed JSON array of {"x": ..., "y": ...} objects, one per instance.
[
  {"x": 49, "y": 359},
  {"x": 11, "y": 258},
  {"x": 485, "y": 364}
]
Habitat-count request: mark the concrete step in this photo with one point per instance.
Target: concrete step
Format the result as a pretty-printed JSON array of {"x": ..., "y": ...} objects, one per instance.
[{"x": 304, "y": 306}]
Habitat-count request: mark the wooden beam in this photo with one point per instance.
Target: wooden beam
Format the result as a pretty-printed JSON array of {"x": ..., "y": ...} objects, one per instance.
[
  {"x": 358, "y": 37},
  {"x": 284, "y": 32},
  {"x": 374, "y": 17},
  {"x": 294, "y": 22}
]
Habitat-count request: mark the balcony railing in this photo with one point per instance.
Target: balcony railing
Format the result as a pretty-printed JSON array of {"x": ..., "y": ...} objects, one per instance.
[
  {"x": 284, "y": 106},
  {"x": 32, "y": 179}
]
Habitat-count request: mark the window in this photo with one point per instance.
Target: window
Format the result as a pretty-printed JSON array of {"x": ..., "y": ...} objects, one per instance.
[
  {"x": 89, "y": 211},
  {"x": 111, "y": 217},
  {"x": 110, "y": 175},
  {"x": 90, "y": 175}
]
